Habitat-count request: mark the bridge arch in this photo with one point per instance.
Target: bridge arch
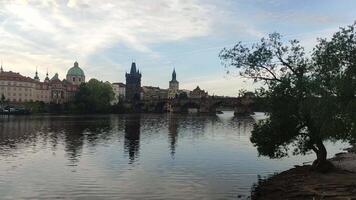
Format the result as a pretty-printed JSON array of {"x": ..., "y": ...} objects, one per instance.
[{"x": 190, "y": 105}]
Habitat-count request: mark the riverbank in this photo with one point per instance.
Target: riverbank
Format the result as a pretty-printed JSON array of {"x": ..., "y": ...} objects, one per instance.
[{"x": 302, "y": 183}]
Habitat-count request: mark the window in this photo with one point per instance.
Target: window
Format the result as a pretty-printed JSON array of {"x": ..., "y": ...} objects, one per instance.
[{"x": 73, "y": 79}]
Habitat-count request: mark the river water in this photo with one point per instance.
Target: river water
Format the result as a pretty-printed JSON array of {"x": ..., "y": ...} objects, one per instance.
[{"x": 147, "y": 156}]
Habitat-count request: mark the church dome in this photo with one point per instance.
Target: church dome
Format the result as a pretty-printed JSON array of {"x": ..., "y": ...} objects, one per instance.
[{"x": 75, "y": 70}]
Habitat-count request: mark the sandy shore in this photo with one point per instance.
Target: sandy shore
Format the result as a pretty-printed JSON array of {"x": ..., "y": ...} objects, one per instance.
[{"x": 302, "y": 183}]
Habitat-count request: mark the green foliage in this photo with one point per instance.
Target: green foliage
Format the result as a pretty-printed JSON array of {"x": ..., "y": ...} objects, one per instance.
[
  {"x": 118, "y": 108},
  {"x": 93, "y": 97},
  {"x": 36, "y": 106},
  {"x": 310, "y": 99},
  {"x": 183, "y": 95},
  {"x": 2, "y": 100}
]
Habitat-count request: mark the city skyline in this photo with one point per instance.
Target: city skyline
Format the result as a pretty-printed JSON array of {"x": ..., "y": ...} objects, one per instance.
[{"x": 158, "y": 35}]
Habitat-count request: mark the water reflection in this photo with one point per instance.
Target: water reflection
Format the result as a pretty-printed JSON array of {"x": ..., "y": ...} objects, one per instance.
[
  {"x": 132, "y": 136},
  {"x": 75, "y": 131},
  {"x": 172, "y": 133},
  {"x": 243, "y": 124},
  {"x": 120, "y": 156}
]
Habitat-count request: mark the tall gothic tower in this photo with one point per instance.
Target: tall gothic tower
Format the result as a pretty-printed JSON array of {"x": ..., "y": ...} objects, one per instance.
[
  {"x": 173, "y": 86},
  {"x": 133, "y": 84}
]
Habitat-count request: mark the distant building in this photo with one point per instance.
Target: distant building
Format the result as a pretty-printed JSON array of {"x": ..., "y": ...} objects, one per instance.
[
  {"x": 173, "y": 86},
  {"x": 184, "y": 92},
  {"x": 17, "y": 88},
  {"x": 119, "y": 91},
  {"x": 133, "y": 84},
  {"x": 153, "y": 93},
  {"x": 198, "y": 93},
  {"x": 75, "y": 75}
]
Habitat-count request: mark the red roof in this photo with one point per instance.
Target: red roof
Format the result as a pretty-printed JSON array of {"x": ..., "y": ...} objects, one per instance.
[{"x": 12, "y": 76}]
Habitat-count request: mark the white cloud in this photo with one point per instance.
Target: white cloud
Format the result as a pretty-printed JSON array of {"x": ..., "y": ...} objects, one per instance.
[
  {"x": 54, "y": 33},
  {"x": 41, "y": 32}
]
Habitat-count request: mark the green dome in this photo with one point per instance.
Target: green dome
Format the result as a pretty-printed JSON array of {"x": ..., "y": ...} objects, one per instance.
[{"x": 75, "y": 70}]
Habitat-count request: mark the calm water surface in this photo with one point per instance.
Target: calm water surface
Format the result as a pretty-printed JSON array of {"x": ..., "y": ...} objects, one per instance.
[{"x": 147, "y": 156}]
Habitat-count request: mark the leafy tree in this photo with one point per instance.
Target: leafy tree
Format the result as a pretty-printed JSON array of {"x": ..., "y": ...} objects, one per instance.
[
  {"x": 306, "y": 95},
  {"x": 3, "y": 99},
  {"x": 241, "y": 92},
  {"x": 36, "y": 106},
  {"x": 182, "y": 95},
  {"x": 93, "y": 97}
]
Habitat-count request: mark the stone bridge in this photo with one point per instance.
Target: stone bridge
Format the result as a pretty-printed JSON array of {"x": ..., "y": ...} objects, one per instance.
[{"x": 241, "y": 105}]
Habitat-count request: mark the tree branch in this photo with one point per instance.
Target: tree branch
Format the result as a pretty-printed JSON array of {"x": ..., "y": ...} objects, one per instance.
[
  {"x": 279, "y": 56},
  {"x": 270, "y": 72}
]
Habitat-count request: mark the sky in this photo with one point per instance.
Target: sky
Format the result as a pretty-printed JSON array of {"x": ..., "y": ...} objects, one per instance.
[{"x": 106, "y": 36}]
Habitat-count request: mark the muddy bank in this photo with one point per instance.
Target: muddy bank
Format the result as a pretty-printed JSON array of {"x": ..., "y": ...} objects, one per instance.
[{"x": 302, "y": 183}]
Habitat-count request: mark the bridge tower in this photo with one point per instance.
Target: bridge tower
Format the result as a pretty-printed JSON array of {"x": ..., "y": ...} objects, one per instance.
[
  {"x": 173, "y": 86},
  {"x": 133, "y": 84}
]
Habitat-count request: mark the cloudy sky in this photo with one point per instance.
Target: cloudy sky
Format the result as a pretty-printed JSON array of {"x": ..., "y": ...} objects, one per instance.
[{"x": 105, "y": 36}]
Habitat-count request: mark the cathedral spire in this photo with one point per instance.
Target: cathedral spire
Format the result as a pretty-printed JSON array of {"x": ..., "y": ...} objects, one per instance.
[
  {"x": 1, "y": 69},
  {"x": 174, "y": 75}
]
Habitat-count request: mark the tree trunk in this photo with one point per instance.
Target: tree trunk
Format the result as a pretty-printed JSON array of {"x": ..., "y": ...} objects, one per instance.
[
  {"x": 321, "y": 154},
  {"x": 321, "y": 164}
]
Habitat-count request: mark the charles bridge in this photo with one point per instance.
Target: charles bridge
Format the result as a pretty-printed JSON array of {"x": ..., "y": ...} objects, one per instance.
[{"x": 212, "y": 104}]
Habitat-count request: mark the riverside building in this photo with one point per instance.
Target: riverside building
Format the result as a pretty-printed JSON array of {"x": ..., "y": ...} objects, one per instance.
[{"x": 17, "y": 88}]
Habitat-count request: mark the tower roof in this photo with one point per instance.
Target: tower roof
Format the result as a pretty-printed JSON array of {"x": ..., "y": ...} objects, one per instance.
[
  {"x": 47, "y": 78},
  {"x": 174, "y": 75},
  {"x": 133, "y": 68},
  {"x": 36, "y": 75},
  {"x": 75, "y": 70},
  {"x": 55, "y": 77}
]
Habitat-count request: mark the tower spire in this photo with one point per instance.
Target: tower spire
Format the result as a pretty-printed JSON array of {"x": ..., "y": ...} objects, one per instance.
[
  {"x": 133, "y": 68},
  {"x": 1, "y": 69},
  {"x": 47, "y": 78},
  {"x": 174, "y": 75},
  {"x": 36, "y": 75}
]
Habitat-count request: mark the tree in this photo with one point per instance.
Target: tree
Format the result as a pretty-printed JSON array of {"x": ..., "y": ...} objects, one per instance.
[
  {"x": 3, "y": 99},
  {"x": 182, "y": 95},
  {"x": 303, "y": 96},
  {"x": 241, "y": 92},
  {"x": 93, "y": 97}
]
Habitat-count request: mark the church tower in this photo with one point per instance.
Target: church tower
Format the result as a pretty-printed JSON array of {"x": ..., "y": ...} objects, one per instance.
[
  {"x": 133, "y": 84},
  {"x": 36, "y": 78},
  {"x": 75, "y": 75},
  {"x": 173, "y": 86},
  {"x": 1, "y": 69}
]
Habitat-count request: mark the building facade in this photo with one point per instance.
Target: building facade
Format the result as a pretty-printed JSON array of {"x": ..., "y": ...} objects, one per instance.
[
  {"x": 198, "y": 93},
  {"x": 133, "y": 84},
  {"x": 119, "y": 90},
  {"x": 173, "y": 86},
  {"x": 153, "y": 93},
  {"x": 18, "y": 89}
]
